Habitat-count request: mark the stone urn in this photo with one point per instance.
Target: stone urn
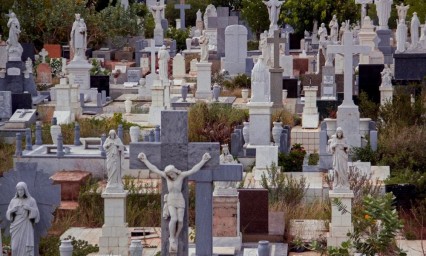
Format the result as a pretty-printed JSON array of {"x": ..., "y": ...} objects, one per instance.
[
  {"x": 263, "y": 248},
  {"x": 216, "y": 92},
  {"x": 136, "y": 248},
  {"x": 246, "y": 133},
  {"x": 245, "y": 94},
  {"x": 276, "y": 132},
  {"x": 135, "y": 132},
  {"x": 55, "y": 130},
  {"x": 142, "y": 81},
  {"x": 66, "y": 248},
  {"x": 184, "y": 92},
  {"x": 128, "y": 105}
]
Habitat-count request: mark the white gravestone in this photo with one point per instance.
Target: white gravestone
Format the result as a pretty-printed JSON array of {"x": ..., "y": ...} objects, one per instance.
[
  {"x": 179, "y": 66},
  {"x": 235, "y": 49},
  {"x": 310, "y": 116}
]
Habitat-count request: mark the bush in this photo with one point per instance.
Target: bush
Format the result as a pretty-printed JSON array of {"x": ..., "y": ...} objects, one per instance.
[
  {"x": 252, "y": 45},
  {"x": 50, "y": 246},
  {"x": 180, "y": 35},
  {"x": 282, "y": 187},
  {"x": 241, "y": 81},
  {"x": 214, "y": 122},
  {"x": 293, "y": 161}
]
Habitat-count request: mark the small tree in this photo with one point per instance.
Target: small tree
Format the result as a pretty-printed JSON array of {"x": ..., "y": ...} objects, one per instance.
[{"x": 256, "y": 15}]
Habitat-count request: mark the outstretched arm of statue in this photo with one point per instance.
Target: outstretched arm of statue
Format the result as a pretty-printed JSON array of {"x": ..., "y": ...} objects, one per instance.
[
  {"x": 197, "y": 167},
  {"x": 150, "y": 166}
]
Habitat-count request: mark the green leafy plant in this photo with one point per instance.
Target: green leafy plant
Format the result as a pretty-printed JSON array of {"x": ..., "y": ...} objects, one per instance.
[
  {"x": 375, "y": 226},
  {"x": 313, "y": 159},
  {"x": 282, "y": 187},
  {"x": 293, "y": 161},
  {"x": 180, "y": 35},
  {"x": 97, "y": 69}
]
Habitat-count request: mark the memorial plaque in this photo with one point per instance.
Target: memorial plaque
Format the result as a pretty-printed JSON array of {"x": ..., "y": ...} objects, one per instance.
[
  {"x": 133, "y": 75},
  {"x": 13, "y": 71},
  {"x": 328, "y": 79},
  {"x": 328, "y": 90}
]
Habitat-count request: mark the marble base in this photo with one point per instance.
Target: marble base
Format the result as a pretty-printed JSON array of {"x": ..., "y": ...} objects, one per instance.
[
  {"x": 386, "y": 94},
  {"x": 341, "y": 223},
  {"x": 204, "y": 73},
  {"x": 260, "y": 123},
  {"x": 115, "y": 234}
]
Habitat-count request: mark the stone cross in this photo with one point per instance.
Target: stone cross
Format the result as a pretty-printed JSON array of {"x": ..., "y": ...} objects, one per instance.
[
  {"x": 175, "y": 149},
  {"x": 363, "y": 4},
  {"x": 287, "y": 30},
  {"x": 220, "y": 23},
  {"x": 43, "y": 55},
  {"x": 276, "y": 40},
  {"x": 348, "y": 49},
  {"x": 314, "y": 66},
  {"x": 153, "y": 58},
  {"x": 182, "y": 8}
]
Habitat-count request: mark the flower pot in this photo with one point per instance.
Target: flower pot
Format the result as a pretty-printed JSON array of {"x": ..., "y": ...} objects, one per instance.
[
  {"x": 276, "y": 132},
  {"x": 128, "y": 105},
  {"x": 184, "y": 92},
  {"x": 66, "y": 248},
  {"x": 263, "y": 248},
  {"x": 245, "y": 94},
  {"x": 246, "y": 130},
  {"x": 216, "y": 92},
  {"x": 136, "y": 248}
]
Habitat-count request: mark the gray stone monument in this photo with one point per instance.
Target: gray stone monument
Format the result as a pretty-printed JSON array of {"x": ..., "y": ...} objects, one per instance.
[
  {"x": 182, "y": 8},
  {"x": 175, "y": 149},
  {"x": 276, "y": 71}
]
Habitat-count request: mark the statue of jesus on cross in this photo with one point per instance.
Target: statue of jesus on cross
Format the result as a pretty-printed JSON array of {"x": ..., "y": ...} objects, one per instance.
[{"x": 174, "y": 202}]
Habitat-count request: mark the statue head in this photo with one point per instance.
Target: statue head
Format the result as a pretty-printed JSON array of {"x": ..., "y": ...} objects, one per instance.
[
  {"x": 172, "y": 172},
  {"x": 77, "y": 16},
  {"x": 339, "y": 132},
  {"x": 225, "y": 149},
  {"x": 323, "y": 25},
  {"x": 163, "y": 47},
  {"x": 112, "y": 134},
  {"x": 22, "y": 190}
]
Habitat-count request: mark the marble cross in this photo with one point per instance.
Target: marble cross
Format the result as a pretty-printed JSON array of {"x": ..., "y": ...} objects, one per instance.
[
  {"x": 43, "y": 55},
  {"x": 348, "y": 49},
  {"x": 153, "y": 58},
  {"x": 175, "y": 149},
  {"x": 182, "y": 8},
  {"x": 276, "y": 40}
]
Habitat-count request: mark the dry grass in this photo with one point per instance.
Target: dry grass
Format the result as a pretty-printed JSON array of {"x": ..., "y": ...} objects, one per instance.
[
  {"x": 6, "y": 156},
  {"x": 231, "y": 93}
]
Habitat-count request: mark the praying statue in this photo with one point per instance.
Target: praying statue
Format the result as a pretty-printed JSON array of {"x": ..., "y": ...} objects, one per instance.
[
  {"x": 386, "y": 76},
  {"x": 163, "y": 63},
  {"x": 114, "y": 160},
  {"x": 401, "y": 36},
  {"x": 322, "y": 33},
  {"x": 174, "y": 202},
  {"x": 383, "y": 8},
  {"x": 204, "y": 45},
  {"x": 23, "y": 214},
  {"x": 339, "y": 148},
  {"x": 14, "y": 48},
  {"x": 274, "y": 7},
  {"x": 334, "y": 29},
  {"x": 259, "y": 81},
  {"x": 79, "y": 38},
  {"x": 402, "y": 11},
  {"x": 414, "y": 30}
]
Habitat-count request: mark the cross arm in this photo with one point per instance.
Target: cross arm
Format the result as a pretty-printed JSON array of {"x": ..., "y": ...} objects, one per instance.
[
  {"x": 142, "y": 157},
  {"x": 335, "y": 49},
  {"x": 197, "y": 167},
  {"x": 362, "y": 49}
]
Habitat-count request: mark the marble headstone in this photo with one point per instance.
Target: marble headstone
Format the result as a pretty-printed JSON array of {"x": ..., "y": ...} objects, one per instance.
[{"x": 235, "y": 49}]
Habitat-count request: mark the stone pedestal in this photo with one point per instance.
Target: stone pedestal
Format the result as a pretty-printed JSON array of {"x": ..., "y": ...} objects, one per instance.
[
  {"x": 260, "y": 123},
  {"x": 341, "y": 223},
  {"x": 310, "y": 116},
  {"x": 67, "y": 99},
  {"x": 367, "y": 36},
  {"x": 348, "y": 120},
  {"x": 265, "y": 157},
  {"x": 158, "y": 36},
  {"x": 384, "y": 44},
  {"x": 157, "y": 105},
  {"x": 79, "y": 74},
  {"x": 226, "y": 216},
  {"x": 386, "y": 94},
  {"x": 276, "y": 83},
  {"x": 204, "y": 73},
  {"x": 115, "y": 235},
  {"x": 328, "y": 84}
]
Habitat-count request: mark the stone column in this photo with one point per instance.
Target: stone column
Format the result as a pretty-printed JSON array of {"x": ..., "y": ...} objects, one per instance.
[
  {"x": 386, "y": 94},
  {"x": 310, "y": 116},
  {"x": 115, "y": 234},
  {"x": 341, "y": 223},
  {"x": 204, "y": 73}
]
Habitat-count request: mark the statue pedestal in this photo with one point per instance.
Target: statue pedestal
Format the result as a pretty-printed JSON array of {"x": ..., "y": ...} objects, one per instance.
[
  {"x": 341, "y": 223},
  {"x": 204, "y": 73},
  {"x": 260, "y": 119},
  {"x": 80, "y": 71},
  {"x": 158, "y": 36},
  {"x": 115, "y": 234},
  {"x": 386, "y": 94}
]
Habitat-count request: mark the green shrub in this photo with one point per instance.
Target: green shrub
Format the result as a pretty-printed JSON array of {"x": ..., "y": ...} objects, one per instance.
[
  {"x": 180, "y": 35},
  {"x": 50, "y": 246},
  {"x": 293, "y": 161},
  {"x": 282, "y": 187},
  {"x": 240, "y": 81},
  {"x": 313, "y": 159},
  {"x": 252, "y": 45}
]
